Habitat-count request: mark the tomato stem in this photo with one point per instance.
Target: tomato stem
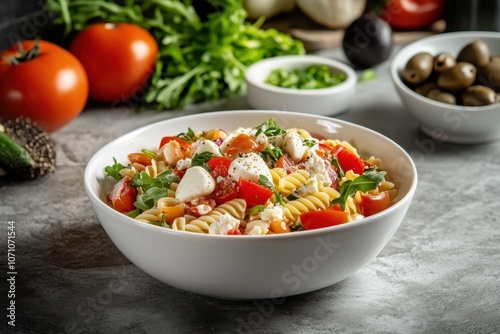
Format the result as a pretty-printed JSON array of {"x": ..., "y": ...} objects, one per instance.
[{"x": 24, "y": 55}]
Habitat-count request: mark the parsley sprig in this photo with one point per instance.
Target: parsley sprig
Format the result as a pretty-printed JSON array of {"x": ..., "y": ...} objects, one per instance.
[{"x": 366, "y": 182}]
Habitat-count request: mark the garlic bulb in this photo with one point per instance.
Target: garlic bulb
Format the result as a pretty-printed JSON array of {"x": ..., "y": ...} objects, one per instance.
[
  {"x": 332, "y": 13},
  {"x": 267, "y": 8}
]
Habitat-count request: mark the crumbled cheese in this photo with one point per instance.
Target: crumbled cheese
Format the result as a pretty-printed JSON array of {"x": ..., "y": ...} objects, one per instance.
[
  {"x": 225, "y": 223},
  {"x": 257, "y": 227},
  {"x": 273, "y": 213},
  {"x": 315, "y": 165},
  {"x": 203, "y": 209},
  {"x": 183, "y": 164},
  {"x": 309, "y": 187}
]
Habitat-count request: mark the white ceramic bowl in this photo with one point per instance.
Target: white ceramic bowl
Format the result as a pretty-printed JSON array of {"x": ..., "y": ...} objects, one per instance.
[
  {"x": 441, "y": 121},
  {"x": 324, "y": 101},
  {"x": 252, "y": 267}
]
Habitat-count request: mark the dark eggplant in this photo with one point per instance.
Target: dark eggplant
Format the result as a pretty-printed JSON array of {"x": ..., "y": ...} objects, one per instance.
[{"x": 367, "y": 41}]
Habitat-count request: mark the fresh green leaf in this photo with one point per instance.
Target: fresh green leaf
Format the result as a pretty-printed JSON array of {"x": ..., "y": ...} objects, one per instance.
[
  {"x": 307, "y": 77},
  {"x": 114, "y": 170},
  {"x": 340, "y": 171},
  {"x": 149, "y": 153},
  {"x": 270, "y": 128},
  {"x": 189, "y": 136},
  {"x": 271, "y": 155},
  {"x": 367, "y": 75},
  {"x": 366, "y": 182},
  {"x": 265, "y": 182},
  {"x": 200, "y": 159},
  {"x": 308, "y": 143},
  {"x": 257, "y": 209}
]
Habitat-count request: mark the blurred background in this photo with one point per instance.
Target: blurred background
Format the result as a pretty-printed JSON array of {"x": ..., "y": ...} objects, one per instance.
[{"x": 308, "y": 20}]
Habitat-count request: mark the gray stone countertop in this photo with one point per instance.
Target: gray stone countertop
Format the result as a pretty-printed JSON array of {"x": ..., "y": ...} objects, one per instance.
[{"x": 438, "y": 274}]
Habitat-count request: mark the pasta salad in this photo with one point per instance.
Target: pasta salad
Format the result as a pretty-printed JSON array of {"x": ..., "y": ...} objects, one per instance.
[{"x": 249, "y": 181}]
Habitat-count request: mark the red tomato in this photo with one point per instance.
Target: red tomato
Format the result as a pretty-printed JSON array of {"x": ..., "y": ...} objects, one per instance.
[
  {"x": 242, "y": 143},
  {"x": 374, "y": 203},
  {"x": 323, "y": 218},
  {"x": 51, "y": 88},
  {"x": 286, "y": 163},
  {"x": 123, "y": 195},
  {"x": 118, "y": 57},
  {"x": 184, "y": 144},
  {"x": 412, "y": 14},
  {"x": 225, "y": 190},
  {"x": 234, "y": 231},
  {"x": 219, "y": 166},
  {"x": 253, "y": 193},
  {"x": 200, "y": 206},
  {"x": 348, "y": 160},
  {"x": 139, "y": 158}
]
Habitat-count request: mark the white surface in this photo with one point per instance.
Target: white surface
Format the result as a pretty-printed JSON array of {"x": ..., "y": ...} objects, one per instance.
[
  {"x": 446, "y": 122},
  {"x": 325, "y": 101},
  {"x": 252, "y": 267}
]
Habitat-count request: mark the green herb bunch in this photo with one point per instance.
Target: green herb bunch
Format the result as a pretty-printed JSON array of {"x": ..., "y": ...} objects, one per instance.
[{"x": 200, "y": 60}]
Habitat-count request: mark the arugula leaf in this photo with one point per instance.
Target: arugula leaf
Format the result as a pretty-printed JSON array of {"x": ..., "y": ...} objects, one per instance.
[
  {"x": 200, "y": 159},
  {"x": 340, "y": 171},
  {"x": 150, "y": 197},
  {"x": 265, "y": 182},
  {"x": 368, "y": 181},
  {"x": 257, "y": 208},
  {"x": 271, "y": 154},
  {"x": 162, "y": 180},
  {"x": 269, "y": 128},
  {"x": 114, "y": 170},
  {"x": 308, "y": 143},
  {"x": 189, "y": 136}
]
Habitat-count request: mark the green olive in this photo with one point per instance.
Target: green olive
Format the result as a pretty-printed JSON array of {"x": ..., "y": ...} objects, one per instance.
[
  {"x": 425, "y": 88},
  {"x": 478, "y": 95},
  {"x": 457, "y": 78},
  {"x": 489, "y": 75},
  {"x": 443, "y": 61},
  {"x": 477, "y": 53},
  {"x": 441, "y": 96},
  {"x": 418, "y": 69}
]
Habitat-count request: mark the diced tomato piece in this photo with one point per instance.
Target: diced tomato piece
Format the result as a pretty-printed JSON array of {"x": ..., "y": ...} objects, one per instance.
[
  {"x": 140, "y": 158},
  {"x": 286, "y": 163},
  {"x": 200, "y": 206},
  {"x": 219, "y": 166},
  {"x": 181, "y": 142},
  {"x": 253, "y": 193},
  {"x": 123, "y": 195},
  {"x": 323, "y": 218},
  {"x": 374, "y": 203},
  {"x": 225, "y": 190},
  {"x": 327, "y": 150},
  {"x": 348, "y": 160},
  {"x": 242, "y": 143},
  {"x": 234, "y": 231}
]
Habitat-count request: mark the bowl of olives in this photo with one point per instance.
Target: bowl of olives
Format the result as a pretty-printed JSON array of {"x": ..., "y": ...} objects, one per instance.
[{"x": 450, "y": 83}]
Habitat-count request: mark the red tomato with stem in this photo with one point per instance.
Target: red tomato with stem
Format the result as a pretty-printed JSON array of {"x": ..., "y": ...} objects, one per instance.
[
  {"x": 374, "y": 203},
  {"x": 119, "y": 58},
  {"x": 253, "y": 193},
  {"x": 323, "y": 218},
  {"x": 412, "y": 14},
  {"x": 123, "y": 195},
  {"x": 43, "y": 82}
]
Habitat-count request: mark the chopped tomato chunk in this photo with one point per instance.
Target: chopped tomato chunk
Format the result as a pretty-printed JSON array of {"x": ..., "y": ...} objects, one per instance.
[
  {"x": 140, "y": 158},
  {"x": 374, "y": 203},
  {"x": 323, "y": 218},
  {"x": 123, "y": 195},
  {"x": 242, "y": 143},
  {"x": 348, "y": 160},
  {"x": 253, "y": 193}
]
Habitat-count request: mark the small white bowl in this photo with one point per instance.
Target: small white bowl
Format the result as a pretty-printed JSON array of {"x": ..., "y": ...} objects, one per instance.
[
  {"x": 252, "y": 267},
  {"x": 325, "y": 101},
  {"x": 441, "y": 121}
]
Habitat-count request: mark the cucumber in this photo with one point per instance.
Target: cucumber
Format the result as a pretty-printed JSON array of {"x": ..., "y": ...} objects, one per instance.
[{"x": 12, "y": 155}]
